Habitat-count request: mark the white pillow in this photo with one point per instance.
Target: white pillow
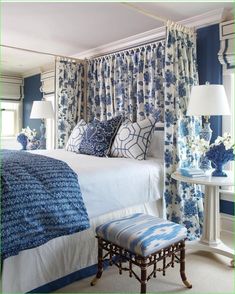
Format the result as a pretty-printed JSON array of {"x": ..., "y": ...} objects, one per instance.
[
  {"x": 156, "y": 147},
  {"x": 75, "y": 138},
  {"x": 133, "y": 139}
]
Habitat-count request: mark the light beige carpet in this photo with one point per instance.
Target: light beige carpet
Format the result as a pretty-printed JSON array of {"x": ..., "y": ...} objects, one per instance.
[{"x": 208, "y": 273}]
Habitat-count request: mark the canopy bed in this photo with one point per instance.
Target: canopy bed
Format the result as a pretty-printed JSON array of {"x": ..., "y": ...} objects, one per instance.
[{"x": 151, "y": 80}]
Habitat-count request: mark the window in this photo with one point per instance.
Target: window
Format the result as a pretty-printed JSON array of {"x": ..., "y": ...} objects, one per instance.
[
  {"x": 10, "y": 119},
  {"x": 228, "y": 121},
  {"x": 228, "y": 126},
  {"x": 8, "y": 116},
  {"x": 11, "y": 124}
]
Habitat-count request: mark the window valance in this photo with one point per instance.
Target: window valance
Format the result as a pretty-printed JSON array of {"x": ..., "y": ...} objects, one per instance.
[
  {"x": 11, "y": 88},
  {"x": 48, "y": 82},
  {"x": 227, "y": 51}
]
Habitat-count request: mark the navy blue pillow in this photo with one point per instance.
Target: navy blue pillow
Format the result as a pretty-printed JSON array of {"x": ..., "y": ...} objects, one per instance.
[{"x": 98, "y": 137}]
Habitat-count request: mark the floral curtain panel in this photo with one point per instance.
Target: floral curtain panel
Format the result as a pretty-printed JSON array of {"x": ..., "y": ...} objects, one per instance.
[
  {"x": 183, "y": 202},
  {"x": 69, "y": 97},
  {"x": 129, "y": 83}
]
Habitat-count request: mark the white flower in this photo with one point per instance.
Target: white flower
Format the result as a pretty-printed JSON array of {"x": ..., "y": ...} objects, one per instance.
[
  {"x": 29, "y": 133},
  {"x": 199, "y": 145},
  {"x": 219, "y": 140}
]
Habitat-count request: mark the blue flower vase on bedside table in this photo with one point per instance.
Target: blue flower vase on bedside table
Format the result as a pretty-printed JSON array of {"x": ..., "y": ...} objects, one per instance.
[
  {"x": 23, "y": 140},
  {"x": 219, "y": 156},
  {"x": 218, "y": 172}
]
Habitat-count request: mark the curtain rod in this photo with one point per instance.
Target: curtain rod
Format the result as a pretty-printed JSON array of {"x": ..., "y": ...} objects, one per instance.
[
  {"x": 145, "y": 12},
  {"x": 125, "y": 49},
  {"x": 40, "y": 52}
]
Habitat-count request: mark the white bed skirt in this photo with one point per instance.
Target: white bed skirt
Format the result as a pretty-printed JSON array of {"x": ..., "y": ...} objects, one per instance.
[{"x": 62, "y": 256}]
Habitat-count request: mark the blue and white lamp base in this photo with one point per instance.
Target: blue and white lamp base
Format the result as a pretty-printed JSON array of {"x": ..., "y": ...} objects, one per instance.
[
  {"x": 206, "y": 134},
  {"x": 43, "y": 132}
]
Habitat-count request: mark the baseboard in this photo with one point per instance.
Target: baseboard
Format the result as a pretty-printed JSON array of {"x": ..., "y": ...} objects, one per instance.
[{"x": 227, "y": 223}]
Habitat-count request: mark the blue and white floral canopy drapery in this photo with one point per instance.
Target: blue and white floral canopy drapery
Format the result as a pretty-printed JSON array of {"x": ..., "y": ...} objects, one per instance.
[
  {"x": 136, "y": 83},
  {"x": 128, "y": 83},
  {"x": 70, "y": 96},
  {"x": 183, "y": 202}
]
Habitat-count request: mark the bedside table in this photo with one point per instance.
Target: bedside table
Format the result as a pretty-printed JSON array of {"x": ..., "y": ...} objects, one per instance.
[{"x": 210, "y": 239}]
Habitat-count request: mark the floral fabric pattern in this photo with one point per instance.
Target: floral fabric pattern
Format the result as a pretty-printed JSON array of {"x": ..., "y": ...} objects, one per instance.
[
  {"x": 183, "y": 202},
  {"x": 128, "y": 83},
  {"x": 70, "y": 98}
]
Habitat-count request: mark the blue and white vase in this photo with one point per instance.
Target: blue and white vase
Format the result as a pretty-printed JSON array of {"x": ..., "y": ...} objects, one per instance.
[
  {"x": 219, "y": 172},
  {"x": 33, "y": 144},
  {"x": 219, "y": 156},
  {"x": 204, "y": 163},
  {"x": 23, "y": 140}
]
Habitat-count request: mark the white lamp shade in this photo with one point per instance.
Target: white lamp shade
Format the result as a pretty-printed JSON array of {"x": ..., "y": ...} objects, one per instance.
[
  {"x": 208, "y": 100},
  {"x": 42, "y": 109}
]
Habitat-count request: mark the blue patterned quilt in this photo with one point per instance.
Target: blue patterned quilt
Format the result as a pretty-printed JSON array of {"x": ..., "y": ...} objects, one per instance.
[{"x": 41, "y": 200}]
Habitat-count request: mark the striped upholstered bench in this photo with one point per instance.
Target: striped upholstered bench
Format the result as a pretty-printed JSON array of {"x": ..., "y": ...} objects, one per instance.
[{"x": 144, "y": 241}]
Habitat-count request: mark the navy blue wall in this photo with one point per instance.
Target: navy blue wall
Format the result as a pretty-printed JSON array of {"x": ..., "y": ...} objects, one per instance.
[
  {"x": 209, "y": 67},
  {"x": 31, "y": 92}
]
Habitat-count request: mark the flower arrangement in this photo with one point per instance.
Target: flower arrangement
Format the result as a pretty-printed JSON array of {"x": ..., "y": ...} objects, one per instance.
[
  {"x": 30, "y": 134},
  {"x": 200, "y": 146},
  {"x": 219, "y": 153},
  {"x": 27, "y": 138}
]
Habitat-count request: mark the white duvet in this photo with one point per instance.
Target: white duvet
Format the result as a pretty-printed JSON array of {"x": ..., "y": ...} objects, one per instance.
[
  {"x": 111, "y": 188},
  {"x": 110, "y": 184}
]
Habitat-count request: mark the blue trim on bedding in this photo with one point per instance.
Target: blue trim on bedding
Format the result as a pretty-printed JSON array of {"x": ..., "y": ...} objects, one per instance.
[{"x": 71, "y": 278}]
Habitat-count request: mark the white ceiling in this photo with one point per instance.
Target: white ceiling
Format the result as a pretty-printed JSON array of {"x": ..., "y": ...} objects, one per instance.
[{"x": 71, "y": 28}]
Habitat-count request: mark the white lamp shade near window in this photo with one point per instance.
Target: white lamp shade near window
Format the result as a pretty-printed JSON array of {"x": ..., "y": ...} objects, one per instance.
[
  {"x": 42, "y": 109},
  {"x": 208, "y": 100}
]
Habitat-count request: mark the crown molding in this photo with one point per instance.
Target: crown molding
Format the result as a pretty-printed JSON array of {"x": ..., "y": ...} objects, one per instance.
[
  {"x": 32, "y": 72},
  {"x": 39, "y": 70},
  {"x": 202, "y": 20}
]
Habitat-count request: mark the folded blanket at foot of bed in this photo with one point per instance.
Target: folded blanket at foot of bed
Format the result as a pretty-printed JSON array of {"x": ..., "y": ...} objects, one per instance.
[{"x": 41, "y": 200}]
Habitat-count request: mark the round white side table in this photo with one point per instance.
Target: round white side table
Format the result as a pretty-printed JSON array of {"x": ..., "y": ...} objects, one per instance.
[{"x": 210, "y": 239}]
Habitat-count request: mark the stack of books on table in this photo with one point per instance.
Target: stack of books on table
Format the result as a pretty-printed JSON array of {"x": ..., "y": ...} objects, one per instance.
[{"x": 192, "y": 172}]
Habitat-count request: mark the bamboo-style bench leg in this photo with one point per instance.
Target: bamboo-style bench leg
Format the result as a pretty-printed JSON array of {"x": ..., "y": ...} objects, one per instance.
[
  {"x": 100, "y": 264},
  {"x": 182, "y": 266},
  {"x": 143, "y": 278}
]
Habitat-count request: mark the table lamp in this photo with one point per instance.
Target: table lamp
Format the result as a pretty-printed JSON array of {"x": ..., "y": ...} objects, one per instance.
[
  {"x": 42, "y": 110},
  {"x": 208, "y": 100}
]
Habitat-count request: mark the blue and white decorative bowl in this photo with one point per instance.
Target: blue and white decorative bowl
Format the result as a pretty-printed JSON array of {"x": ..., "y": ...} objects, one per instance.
[{"x": 219, "y": 156}]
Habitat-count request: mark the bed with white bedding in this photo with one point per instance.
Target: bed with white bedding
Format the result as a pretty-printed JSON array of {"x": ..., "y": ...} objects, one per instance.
[{"x": 111, "y": 188}]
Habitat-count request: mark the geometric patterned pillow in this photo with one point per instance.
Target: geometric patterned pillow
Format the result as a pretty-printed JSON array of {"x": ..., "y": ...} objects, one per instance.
[
  {"x": 98, "y": 137},
  {"x": 133, "y": 139},
  {"x": 75, "y": 138}
]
